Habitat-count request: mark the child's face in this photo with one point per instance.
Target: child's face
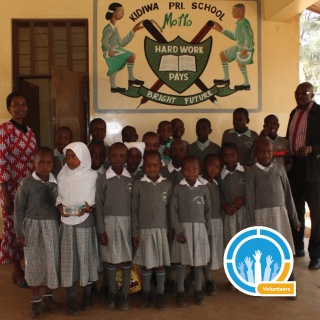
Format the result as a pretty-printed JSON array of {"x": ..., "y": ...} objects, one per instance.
[
  {"x": 164, "y": 132},
  {"x": 190, "y": 171},
  {"x": 272, "y": 125},
  {"x": 211, "y": 168},
  {"x": 118, "y": 13},
  {"x": 129, "y": 135},
  {"x": 263, "y": 153},
  {"x": 133, "y": 159},
  {"x": 98, "y": 156},
  {"x": 62, "y": 139},
  {"x": 152, "y": 143},
  {"x": 230, "y": 158},
  {"x": 237, "y": 12},
  {"x": 43, "y": 163},
  {"x": 240, "y": 122},
  {"x": 117, "y": 158},
  {"x": 177, "y": 128},
  {"x": 152, "y": 167},
  {"x": 72, "y": 160},
  {"x": 178, "y": 150},
  {"x": 98, "y": 131},
  {"x": 203, "y": 130}
]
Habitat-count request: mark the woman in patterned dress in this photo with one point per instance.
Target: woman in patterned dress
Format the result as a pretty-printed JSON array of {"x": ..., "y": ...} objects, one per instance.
[{"x": 17, "y": 147}]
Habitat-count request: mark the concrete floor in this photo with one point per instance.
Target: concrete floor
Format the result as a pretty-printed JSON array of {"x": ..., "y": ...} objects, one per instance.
[{"x": 15, "y": 305}]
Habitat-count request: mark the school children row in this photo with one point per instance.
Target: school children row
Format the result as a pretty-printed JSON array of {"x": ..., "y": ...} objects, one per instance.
[{"x": 171, "y": 214}]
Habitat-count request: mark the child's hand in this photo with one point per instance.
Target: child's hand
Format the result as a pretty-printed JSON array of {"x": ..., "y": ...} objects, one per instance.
[
  {"x": 181, "y": 238},
  {"x": 20, "y": 242},
  {"x": 135, "y": 241},
  {"x": 228, "y": 209},
  {"x": 170, "y": 236},
  {"x": 87, "y": 208},
  {"x": 61, "y": 210},
  {"x": 103, "y": 239},
  {"x": 238, "y": 202},
  {"x": 166, "y": 152},
  {"x": 297, "y": 226}
]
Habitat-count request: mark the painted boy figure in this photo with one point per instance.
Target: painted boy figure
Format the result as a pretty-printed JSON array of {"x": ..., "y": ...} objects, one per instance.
[{"x": 242, "y": 51}]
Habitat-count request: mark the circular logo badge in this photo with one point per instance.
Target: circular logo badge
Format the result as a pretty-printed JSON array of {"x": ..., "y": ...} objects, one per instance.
[{"x": 258, "y": 261}]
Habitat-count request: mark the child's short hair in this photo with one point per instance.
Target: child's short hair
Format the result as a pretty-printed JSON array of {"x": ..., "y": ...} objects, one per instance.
[
  {"x": 64, "y": 129},
  {"x": 229, "y": 145},
  {"x": 164, "y": 122},
  {"x": 204, "y": 121},
  {"x": 117, "y": 144},
  {"x": 96, "y": 143},
  {"x": 242, "y": 110},
  {"x": 189, "y": 158},
  {"x": 13, "y": 95},
  {"x": 211, "y": 156},
  {"x": 240, "y": 6},
  {"x": 150, "y": 134},
  {"x": 44, "y": 150},
  {"x": 270, "y": 116},
  {"x": 96, "y": 120},
  {"x": 151, "y": 153}
]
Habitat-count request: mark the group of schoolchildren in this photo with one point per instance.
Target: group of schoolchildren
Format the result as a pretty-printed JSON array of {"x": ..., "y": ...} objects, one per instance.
[{"x": 161, "y": 204}]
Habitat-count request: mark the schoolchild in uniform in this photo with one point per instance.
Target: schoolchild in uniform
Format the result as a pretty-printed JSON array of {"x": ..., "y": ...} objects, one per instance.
[
  {"x": 37, "y": 230},
  {"x": 151, "y": 232},
  {"x": 241, "y": 136},
  {"x": 98, "y": 155},
  {"x": 211, "y": 169},
  {"x": 190, "y": 212},
  {"x": 113, "y": 207},
  {"x": 177, "y": 128},
  {"x": 75, "y": 202}
]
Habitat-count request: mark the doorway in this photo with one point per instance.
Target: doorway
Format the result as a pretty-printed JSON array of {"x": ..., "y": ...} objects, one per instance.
[{"x": 39, "y": 47}]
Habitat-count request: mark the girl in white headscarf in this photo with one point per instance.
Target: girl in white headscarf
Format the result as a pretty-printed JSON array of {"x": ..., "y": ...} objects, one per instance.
[{"x": 79, "y": 256}]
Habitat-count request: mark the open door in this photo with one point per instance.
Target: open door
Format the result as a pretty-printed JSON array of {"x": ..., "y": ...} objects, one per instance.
[
  {"x": 32, "y": 119},
  {"x": 70, "y": 105}
]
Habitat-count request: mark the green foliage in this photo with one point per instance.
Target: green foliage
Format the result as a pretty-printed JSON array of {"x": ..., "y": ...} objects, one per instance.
[{"x": 310, "y": 48}]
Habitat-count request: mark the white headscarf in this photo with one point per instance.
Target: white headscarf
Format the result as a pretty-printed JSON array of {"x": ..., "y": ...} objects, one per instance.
[
  {"x": 78, "y": 185},
  {"x": 138, "y": 145}
]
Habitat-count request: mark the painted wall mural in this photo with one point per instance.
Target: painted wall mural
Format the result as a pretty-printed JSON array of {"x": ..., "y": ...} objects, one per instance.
[{"x": 188, "y": 56}]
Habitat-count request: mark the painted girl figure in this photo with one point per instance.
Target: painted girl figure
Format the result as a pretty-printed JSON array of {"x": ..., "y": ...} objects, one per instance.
[{"x": 112, "y": 46}]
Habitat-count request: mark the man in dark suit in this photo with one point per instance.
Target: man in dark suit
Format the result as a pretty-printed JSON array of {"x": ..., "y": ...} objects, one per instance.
[{"x": 304, "y": 137}]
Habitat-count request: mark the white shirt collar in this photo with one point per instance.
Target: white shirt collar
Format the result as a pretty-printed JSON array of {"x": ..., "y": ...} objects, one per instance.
[
  {"x": 51, "y": 177},
  {"x": 204, "y": 181},
  {"x": 100, "y": 170},
  {"x": 198, "y": 183},
  {"x": 171, "y": 167},
  {"x": 225, "y": 171},
  {"x": 264, "y": 168},
  {"x": 246, "y": 133},
  {"x": 146, "y": 179},
  {"x": 110, "y": 173}
]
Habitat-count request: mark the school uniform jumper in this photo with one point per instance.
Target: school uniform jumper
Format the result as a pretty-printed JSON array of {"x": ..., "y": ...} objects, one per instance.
[{"x": 36, "y": 218}]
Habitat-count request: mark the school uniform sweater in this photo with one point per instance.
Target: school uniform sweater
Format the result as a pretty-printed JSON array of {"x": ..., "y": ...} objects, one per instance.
[
  {"x": 171, "y": 173},
  {"x": 35, "y": 200},
  {"x": 244, "y": 142},
  {"x": 194, "y": 150},
  {"x": 113, "y": 198},
  {"x": 150, "y": 204},
  {"x": 269, "y": 189},
  {"x": 190, "y": 204}
]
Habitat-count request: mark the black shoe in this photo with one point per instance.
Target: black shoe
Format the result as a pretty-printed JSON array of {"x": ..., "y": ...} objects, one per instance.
[
  {"x": 211, "y": 289},
  {"x": 118, "y": 89},
  {"x": 168, "y": 287},
  {"x": 124, "y": 303},
  {"x": 181, "y": 300},
  {"x": 231, "y": 288},
  {"x": 145, "y": 300},
  {"x": 50, "y": 304},
  {"x": 135, "y": 82},
  {"x": 112, "y": 301},
  {"x": 314, "y": 264},
  {"x": 221, "y": 82},
  {"x": 160, "y": 302},
  {"x": 242, "y": 87},
  {"x": 73, "y": 307},
  {"x": 299, "y": 254},
  {"x": 198, "y": 298},
  {"x": 36, "y": 310},
  {"x": 86, "y": 302}
]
